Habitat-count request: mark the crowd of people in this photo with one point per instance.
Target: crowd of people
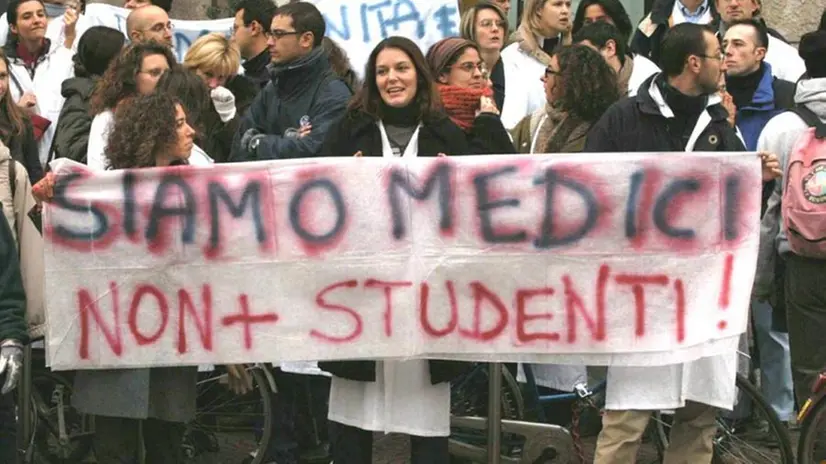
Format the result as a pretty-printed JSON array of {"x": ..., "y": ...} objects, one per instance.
[{"x": 695, "y": 75}]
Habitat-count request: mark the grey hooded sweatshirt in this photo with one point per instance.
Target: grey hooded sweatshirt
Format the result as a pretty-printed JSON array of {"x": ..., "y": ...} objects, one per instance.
[{"x": 779, "y": 137}]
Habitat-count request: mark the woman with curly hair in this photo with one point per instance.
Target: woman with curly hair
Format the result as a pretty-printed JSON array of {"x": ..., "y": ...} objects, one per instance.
[
  {"x": 137, "y": 141},
  {"x": 160, "y": 400},
  {"x": 579, "y": 87},
  {"x": 134, "y": 72}
]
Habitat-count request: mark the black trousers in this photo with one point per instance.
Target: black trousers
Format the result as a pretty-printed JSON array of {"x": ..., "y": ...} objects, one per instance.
[
  {"x": 8, "y": 427},
  {"x": 806, "y": 317},
  {"x": 352, "y": 445},
  {"x": 117, "y": 440}
]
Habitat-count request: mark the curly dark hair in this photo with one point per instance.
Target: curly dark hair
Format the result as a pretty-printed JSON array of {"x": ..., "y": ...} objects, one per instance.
[
  {"x": 136, "y": 139},
  {"x": 588, "y": 85},
  {"x": 119, "y": 80}
]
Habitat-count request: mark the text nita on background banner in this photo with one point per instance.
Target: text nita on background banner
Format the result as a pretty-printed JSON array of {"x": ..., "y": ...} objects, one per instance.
[{"x": 621, "y": 259}]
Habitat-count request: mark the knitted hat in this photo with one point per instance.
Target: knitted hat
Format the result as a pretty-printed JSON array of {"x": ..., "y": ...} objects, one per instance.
[
  {"x": 812, "y": 49},
  {"x": 443, "y": 51}
]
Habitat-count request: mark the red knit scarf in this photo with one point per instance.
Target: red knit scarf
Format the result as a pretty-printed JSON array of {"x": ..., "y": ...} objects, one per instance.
[{"x": 462, "y": 103}]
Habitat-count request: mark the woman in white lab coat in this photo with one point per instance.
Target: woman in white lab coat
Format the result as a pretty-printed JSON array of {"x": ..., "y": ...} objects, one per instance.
[
  {"x": 545, "y": 25},
  {"x": 396, "y": 114},
  {"x": 38, "y": 66}
]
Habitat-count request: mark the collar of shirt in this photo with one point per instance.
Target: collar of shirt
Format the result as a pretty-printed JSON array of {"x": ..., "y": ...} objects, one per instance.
[{"x": 695, "y": 16}]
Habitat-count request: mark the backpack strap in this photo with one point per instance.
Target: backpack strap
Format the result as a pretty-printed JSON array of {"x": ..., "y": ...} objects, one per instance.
[
  {"x": 12, "y": 177},
  {"x": 811, "y": 119}
]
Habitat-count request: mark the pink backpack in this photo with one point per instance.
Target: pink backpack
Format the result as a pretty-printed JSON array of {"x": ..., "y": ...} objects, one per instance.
[{"x": 804, "y": 194}]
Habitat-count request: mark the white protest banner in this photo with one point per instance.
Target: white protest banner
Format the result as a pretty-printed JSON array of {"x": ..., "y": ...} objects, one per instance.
[
  {"x": 356, "y": 25},
  {"x": 620, "y": 259}
]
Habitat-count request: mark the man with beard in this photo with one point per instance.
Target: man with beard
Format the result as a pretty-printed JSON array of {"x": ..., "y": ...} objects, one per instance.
[
  {"x": 677, "y": 110},
  {"x": 149, "y": 23}
]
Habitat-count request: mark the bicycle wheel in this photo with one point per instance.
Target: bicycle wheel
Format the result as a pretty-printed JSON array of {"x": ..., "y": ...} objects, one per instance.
[
  {"x": 759, "y": 438},
  {"x": 51, "y": 398},
  {"x": 811, "y": 448},
  {"x": 469, "y": 397},
  {"x": 229, "y": 427}
]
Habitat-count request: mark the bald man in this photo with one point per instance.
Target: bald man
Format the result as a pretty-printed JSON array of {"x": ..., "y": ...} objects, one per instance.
[{"x": 149, "y": 23}]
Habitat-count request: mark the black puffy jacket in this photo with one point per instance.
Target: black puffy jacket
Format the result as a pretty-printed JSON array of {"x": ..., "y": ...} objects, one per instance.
[{"x": 73, "y": 124}]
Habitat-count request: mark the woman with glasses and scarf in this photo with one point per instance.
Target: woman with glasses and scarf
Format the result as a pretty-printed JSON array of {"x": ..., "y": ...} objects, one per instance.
[{"x": 467, "y": 96}]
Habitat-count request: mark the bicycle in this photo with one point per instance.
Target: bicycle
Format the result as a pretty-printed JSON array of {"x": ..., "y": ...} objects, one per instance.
[
  {"x": 226, "y": 427},
  {"x": 811, "y": 447},
  {"x": 541, "y": 442}
]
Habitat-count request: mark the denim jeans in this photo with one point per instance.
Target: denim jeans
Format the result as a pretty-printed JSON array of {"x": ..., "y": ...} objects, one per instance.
[{"x": 775, "y": 362}]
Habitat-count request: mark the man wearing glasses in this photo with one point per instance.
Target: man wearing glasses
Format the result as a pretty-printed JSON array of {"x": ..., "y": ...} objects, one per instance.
[
  {"x": 149, "y": 23},
  {"x": 250, "y": 31},
  {"x": 677, "y": 110},
  {"x": 304, "y": 98}
]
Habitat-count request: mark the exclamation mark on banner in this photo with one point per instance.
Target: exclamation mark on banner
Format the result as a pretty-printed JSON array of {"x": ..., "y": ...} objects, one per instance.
[{"x": 725, "y": 292}]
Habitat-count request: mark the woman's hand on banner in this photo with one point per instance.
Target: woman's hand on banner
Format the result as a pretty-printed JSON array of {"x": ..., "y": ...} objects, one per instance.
[{"x": 44, "y": 189}]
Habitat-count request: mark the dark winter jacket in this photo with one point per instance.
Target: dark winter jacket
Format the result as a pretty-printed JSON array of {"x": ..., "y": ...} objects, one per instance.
[
  {"x": 637, "y": 124},
  {"x": 12, "y": 295},
  {"x": 255, "y": 69},
  {"x": 24, "y": 149},
  {"x": 304, "y": 89},
  {"x": 73, "y": 125},
  {"x": 217, "y": 136},
  {"x": 358, "y": 131},
  {"x": 772, "y": 97},
  {"x": 489, "y": 137}
]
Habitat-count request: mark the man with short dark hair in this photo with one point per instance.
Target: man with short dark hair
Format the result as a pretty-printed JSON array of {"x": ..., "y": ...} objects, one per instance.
[
  {"x": 303, "y": 95},
  {"x": 250, "y": 31},
  {"x": 632, "y": 70},
  {"x": 759, "y": 96},
  {"x": 678, "y": 111},
  {"x": 783, "y": 58}
]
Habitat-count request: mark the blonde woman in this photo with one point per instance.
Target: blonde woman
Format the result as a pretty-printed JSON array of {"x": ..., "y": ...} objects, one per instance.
[
  {"x": 545, "y": 25},
  {"x": 216, "y": 60},
  {"x": 486, "y": 24}
]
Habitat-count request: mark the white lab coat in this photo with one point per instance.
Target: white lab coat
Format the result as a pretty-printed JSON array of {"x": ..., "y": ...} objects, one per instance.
[
  {"x": 524, "y": 91},
  {"x": 708, "y": 380},
  {"x": 785, "y": 61},
  {"x": 99, "y": 136},
  {"x": 48, "y": 77},
  {"x": 402, "y": 399},
  {"x": 54, "y": 30}
]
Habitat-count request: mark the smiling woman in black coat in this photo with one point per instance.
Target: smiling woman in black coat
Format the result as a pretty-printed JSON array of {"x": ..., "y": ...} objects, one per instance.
[
  {"x": 395, "y": 114},
  {"x": 398, "y": 98}
]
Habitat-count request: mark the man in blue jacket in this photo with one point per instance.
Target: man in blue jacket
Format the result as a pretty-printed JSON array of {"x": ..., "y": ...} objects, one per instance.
[
  {"x": 304, "y": 98},
  {"x": 758, "y": 97}
]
